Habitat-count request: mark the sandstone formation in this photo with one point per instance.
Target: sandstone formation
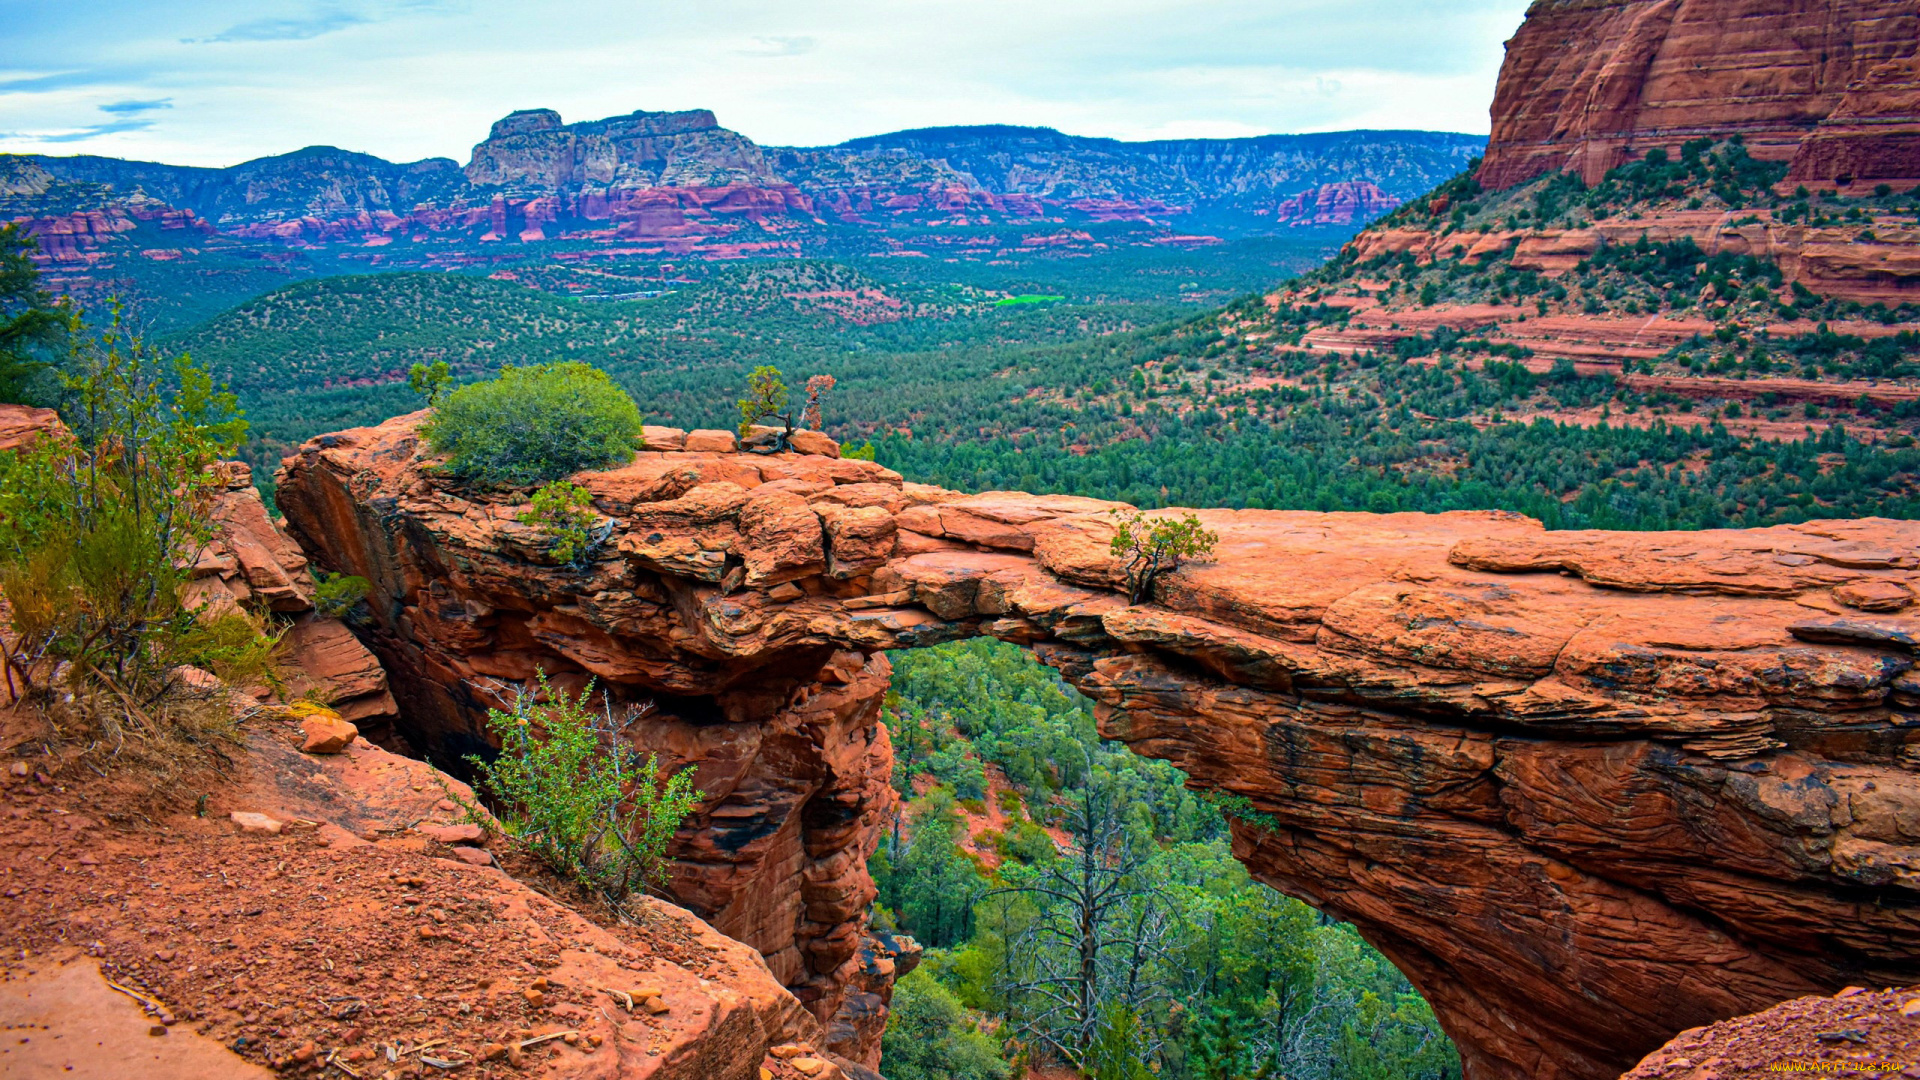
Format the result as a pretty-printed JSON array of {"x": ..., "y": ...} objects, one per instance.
[
  {"x": 251, "y": 563},
  {"x": 1589, "y": 84},
  {"x": 1586, "y": 789},
  {"x": 1858, "y": 1031},
  {"x": 1346, "y": 203}
]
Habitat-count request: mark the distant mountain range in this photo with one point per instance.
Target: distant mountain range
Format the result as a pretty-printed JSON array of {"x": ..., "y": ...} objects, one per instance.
[
  {"x": 677, "y": 184},
  {"x": 668, "y": 176}
]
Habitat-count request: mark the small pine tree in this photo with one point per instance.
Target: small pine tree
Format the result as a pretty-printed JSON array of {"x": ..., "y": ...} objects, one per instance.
[
  {"x": 430, "y": 381},
  {"x": 1151, "y": 546}
]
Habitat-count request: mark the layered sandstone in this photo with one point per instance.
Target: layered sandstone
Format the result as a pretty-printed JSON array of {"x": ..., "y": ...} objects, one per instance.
[
  {"x": 1590, "y": 84},
  {"x": 1832, "y": 260},
  {"x": 1586, "y": 789}
]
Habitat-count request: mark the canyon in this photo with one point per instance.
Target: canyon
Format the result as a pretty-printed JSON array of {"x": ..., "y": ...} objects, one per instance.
[{"x": 1585, "y": 789}]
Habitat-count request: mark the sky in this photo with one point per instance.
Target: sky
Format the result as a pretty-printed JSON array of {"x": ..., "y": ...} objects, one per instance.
[{"x": 216, "y": 82}]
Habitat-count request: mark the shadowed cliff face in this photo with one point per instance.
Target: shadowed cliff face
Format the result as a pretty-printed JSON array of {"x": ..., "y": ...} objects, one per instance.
[
  {"x": 1829, "y": 86},
  {"x": 1586, "y": 789}
]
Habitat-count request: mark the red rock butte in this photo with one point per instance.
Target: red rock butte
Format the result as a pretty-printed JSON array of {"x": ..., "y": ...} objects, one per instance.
[
  {"x": 1586, "y": 789},
  {"x": 1831, "y": 86}
]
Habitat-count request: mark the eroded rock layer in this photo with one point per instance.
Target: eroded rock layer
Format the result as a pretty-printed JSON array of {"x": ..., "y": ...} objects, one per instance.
[
  {"x": 1590, "y": 84},
  {"x": 1586, "y": 789}
]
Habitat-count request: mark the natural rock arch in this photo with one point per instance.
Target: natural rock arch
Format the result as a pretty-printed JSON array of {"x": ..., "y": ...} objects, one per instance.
[{"x": 1585, "y": 789}]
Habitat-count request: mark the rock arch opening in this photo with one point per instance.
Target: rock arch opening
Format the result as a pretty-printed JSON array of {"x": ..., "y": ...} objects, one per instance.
[{"x": 1584, "y": 789}]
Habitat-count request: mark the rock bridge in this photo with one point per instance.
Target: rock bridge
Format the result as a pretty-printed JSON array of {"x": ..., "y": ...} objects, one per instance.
[{"x": 1585, "y": 789}]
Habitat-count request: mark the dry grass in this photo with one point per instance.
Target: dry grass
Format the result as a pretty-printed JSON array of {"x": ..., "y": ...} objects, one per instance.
[{"x": 165, "y": 747}]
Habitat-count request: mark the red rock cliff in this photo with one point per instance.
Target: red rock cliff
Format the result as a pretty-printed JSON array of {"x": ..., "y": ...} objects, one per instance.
[
  {"x": 1586, "y": 789},
  {"x": 1826, "y": 84}
]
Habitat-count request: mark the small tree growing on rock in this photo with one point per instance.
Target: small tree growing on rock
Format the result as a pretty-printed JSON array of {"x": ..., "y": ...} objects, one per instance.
[
  {"x": 1151, "y": 546},
  {"x": 766, "y": 399},
  {"x": 430, "y": 381},
  {"x": 563, "y": 512}
]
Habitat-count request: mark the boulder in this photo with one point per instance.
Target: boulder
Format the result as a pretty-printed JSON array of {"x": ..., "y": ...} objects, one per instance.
[{"x": 709, "y": 441}]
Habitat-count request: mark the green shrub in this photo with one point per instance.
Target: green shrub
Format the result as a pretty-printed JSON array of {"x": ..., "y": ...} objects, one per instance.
[
  {"x": 930, "y": 1037},
  {"x": 29, "y": 321},
  {"x": 535, "y": 424},
  {"x": 336, "y": 594},
  {"x": 98, "y": 523},
  {"x": 577, "y": 797},
  {"x": 563, "y": 512}
]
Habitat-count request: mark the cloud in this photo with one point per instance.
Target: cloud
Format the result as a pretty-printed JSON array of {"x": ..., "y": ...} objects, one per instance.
[
  {"x": 60, "y": 80},
  {"x": 778, "y": 46},
  {"x": 295, "y": 29},
  {"x": 111, "y": 127},
  {"x": 127, "y": 108}
]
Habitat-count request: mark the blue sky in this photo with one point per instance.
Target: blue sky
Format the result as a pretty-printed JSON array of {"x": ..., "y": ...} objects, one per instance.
[{"x": 214, "y": 82}]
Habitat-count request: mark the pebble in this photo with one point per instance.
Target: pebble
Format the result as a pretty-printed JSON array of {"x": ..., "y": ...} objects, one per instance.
[
  {"x": 156, "y": 1029},
  {"x": 327, "y": 734},
  {"x": 809, "y": 1066},
  {"x": 19, "y": 768},
  {"x": 256, "y": 823},
  {"x": 1911, "y": 1008},
  {"x": 535, "y": 998},
  {"x": 464, "y": 833}
]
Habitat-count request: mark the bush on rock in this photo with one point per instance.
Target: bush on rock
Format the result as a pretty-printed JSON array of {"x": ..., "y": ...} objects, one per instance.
[{"x": 535, "y": 424}]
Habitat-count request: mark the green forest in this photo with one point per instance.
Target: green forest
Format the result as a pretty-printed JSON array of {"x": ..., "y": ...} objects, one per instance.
[{"x": 1197, "y": 971}]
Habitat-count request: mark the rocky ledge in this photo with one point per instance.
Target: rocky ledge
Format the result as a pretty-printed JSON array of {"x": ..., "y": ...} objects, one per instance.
[{"x": 1586, "y": 789}]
